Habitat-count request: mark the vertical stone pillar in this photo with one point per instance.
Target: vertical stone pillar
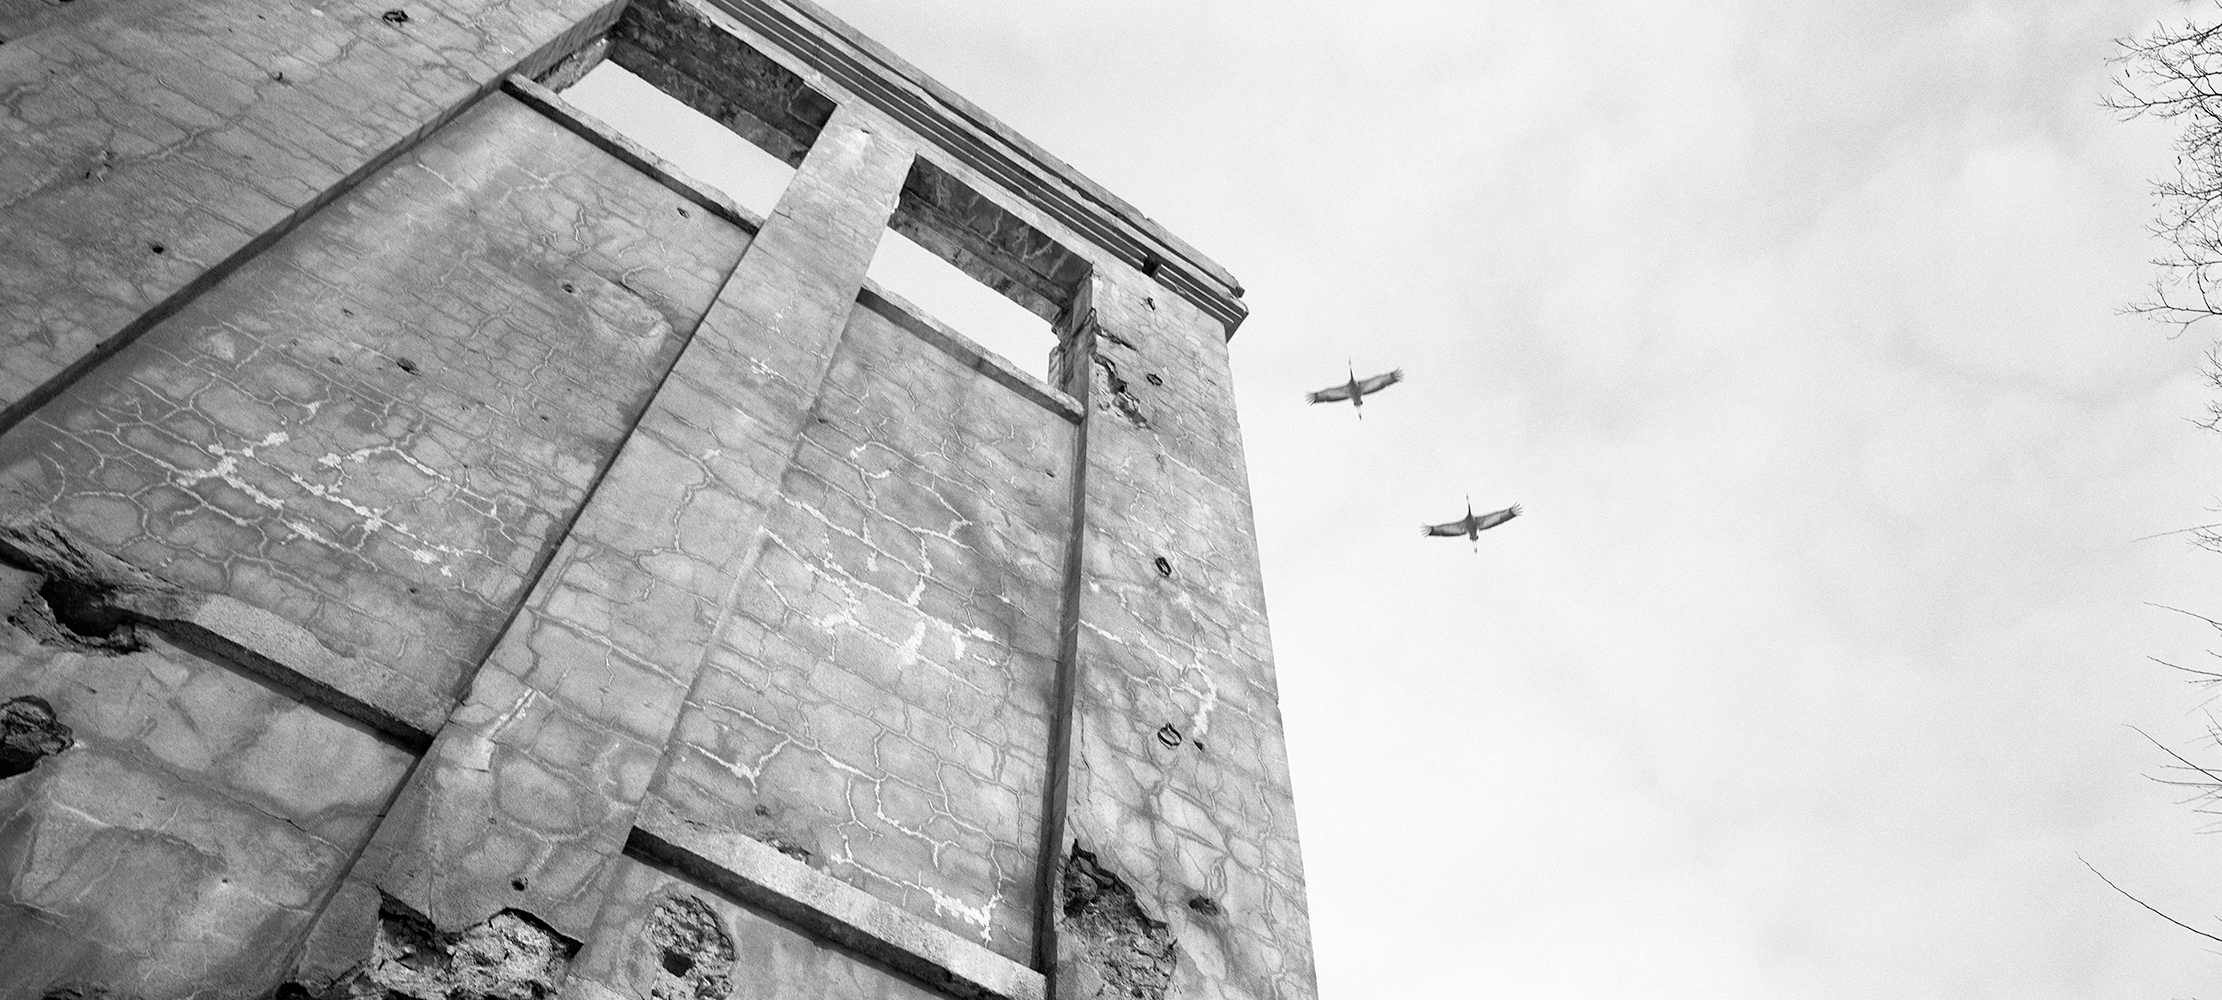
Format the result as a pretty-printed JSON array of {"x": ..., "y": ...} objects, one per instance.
[
  {"x": 1177, "y": 872},
  {"x": 531, "y": 789}
]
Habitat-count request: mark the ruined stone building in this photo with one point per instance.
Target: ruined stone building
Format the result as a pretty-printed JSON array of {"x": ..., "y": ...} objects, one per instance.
[{"x": 448, "y": 552}]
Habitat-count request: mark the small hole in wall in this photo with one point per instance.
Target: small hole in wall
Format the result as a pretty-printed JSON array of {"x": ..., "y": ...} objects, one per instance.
[
  {"x": 1205, "y": 905},
  {"x": 1168, "y": 735},
  {"x": 517, "y": 884},
  {"x": 676, "y": 963},
  {"x": 1164, "y": 567},
  {"x": 569, "y": 287},
  {"x": 1152, "y": 379},
  {"x": 158, "y": 248}
]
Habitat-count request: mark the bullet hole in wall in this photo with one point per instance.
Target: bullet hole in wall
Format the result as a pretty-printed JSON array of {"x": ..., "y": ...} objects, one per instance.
[
  {"x": 29, "y": 732},
  {"x": 1164, "y": 566},
  {"x": 693, "y": 950},
  {"x": 1132, "y": 952},
  {"x": 517, "y": 884},
  {"x": 79, "y": 615},
  {"x": 158, "y": 248}
]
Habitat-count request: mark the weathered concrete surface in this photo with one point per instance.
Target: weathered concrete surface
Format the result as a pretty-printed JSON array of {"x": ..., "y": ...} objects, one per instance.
[
  {"x": 935, "y": 671},
  {"x": 379, "y": 428},
  {"x": 630, "y": 953},
  {"x": 1178, "y": 776},
  {"x": 529, "y": 792},
  {"x": 879, "y": 701},
  {"x": 144, "y": 144},
  {"x": 186, "y": 836}
]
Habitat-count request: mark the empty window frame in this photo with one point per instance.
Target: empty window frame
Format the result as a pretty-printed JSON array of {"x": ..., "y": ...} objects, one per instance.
[
  {"x": 672, "y": 79},
  {"x": 977, "y": 268}
]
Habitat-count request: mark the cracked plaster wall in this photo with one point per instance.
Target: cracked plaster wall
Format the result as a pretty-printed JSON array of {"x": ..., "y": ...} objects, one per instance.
[
  {"x": 186, "y": 838},
  {"x": 879, "y": 704},
  {"x": 379, "y": 428},
  {"x": 137, "y": 126},
  {"x": 202, "y": 127}
]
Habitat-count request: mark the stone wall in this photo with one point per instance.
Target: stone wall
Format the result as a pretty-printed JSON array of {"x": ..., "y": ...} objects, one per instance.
[{"x": 445, "y": 552}]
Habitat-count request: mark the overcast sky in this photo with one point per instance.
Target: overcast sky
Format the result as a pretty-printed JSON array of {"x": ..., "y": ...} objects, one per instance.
[{"x": 1794, "y": 327}]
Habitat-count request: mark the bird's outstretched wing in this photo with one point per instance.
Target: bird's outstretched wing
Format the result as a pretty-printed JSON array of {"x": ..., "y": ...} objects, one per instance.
[
  {"x": 1451, "y": 530},
  {"x": 1380, "y": 382},
  {"x": 1334, "y": 395},
  {"x": 1485, "y": 522}
]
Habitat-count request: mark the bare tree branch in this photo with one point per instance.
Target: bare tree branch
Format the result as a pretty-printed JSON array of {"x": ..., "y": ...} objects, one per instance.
[{"x": 2110, "y": 884}]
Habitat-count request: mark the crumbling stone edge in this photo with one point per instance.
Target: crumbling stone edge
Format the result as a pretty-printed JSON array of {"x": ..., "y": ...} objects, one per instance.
[
  {"x": 91, "y": 602},
  {"x": 759, "y": 876}
]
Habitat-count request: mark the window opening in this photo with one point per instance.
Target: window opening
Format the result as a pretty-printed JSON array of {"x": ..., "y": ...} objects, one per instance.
[
  {"x": 960, "y": 302},
  {"x": 977, "y": 268},
  {"x": 673, "y": 78},
  {"x": 690, "y": 140}
]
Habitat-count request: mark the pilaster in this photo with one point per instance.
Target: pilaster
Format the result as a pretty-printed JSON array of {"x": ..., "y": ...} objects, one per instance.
[
  {"x": 532, "y": 788},
  {"x": 1176, "y": 866}
]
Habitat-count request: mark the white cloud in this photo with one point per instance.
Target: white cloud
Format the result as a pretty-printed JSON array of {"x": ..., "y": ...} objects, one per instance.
[{"x": 1793, "y": 326}]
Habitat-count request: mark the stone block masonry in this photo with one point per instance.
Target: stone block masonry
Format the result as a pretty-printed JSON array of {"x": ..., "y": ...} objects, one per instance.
[{"x": 446, "y": 553}]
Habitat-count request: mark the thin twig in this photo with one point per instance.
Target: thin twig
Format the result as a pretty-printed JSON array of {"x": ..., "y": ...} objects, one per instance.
[{"x": 2110, "y": 884}]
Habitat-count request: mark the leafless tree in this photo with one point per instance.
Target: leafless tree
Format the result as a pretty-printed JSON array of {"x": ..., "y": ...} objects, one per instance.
[{"x": 2175, "y": 74}]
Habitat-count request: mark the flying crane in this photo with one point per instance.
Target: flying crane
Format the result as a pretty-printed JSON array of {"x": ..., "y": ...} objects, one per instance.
[
  {"x": 1472, "y": 525},
  {"x": 1355, "y": 390}
]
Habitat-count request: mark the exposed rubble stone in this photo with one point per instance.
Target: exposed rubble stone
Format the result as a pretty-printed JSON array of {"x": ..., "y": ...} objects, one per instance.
[
  {"x": 694, "y": 953},
  {"x": 1131, "y": 954},
  {"x": 29, "y": 731},
  {"x": 509, "y": 956}
]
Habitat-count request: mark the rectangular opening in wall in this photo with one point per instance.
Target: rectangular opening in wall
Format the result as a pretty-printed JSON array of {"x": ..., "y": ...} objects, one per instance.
[
  {"x": 688, "y": 139},
  {"x": 960, "y": 302},
  {"x": 976, "y": 268},
  {"x": 673, "y": 78}
]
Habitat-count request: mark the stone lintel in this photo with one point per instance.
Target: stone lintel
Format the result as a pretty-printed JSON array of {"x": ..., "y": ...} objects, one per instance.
[
  {"x": 963, "y": 131},
  {"x": 970, "y": 354},
  {"x": 609, "y": 140},
  {"x": 758, "y": 875}
]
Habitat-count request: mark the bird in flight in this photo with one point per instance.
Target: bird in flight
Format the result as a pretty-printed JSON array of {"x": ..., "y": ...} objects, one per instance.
[
  {"x": 1355, "y": 390},
  {"x": 1472, "y": 525}
]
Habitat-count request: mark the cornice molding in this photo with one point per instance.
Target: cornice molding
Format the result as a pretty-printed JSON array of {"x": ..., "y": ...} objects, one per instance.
[{"x": 975, "y": 138}]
